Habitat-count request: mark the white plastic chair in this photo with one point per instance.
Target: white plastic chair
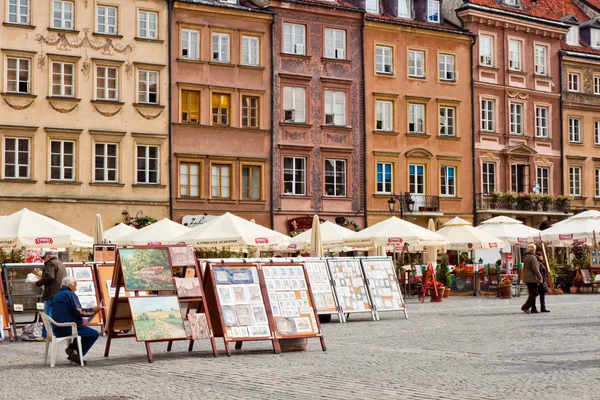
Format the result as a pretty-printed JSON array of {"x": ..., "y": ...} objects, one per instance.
[{"x": 52, "y": 341}]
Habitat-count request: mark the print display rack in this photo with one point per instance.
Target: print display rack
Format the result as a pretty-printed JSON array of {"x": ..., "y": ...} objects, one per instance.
[
  {"x": 326, "y": 301},
  {"x": 383, "y": 285},
  {"x": 350, "y": 287},
  {"x": 153, "y": 306}
]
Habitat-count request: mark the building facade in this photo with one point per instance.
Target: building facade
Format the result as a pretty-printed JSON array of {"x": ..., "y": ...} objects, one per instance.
[{"x": 84, "y": 109}]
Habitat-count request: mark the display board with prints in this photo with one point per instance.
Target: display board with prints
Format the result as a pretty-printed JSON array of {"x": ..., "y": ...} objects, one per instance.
[
  {"x": 383, "y": 285},
  {"x": 350, "y": 287},
  {"x": 322, "y": 289}
]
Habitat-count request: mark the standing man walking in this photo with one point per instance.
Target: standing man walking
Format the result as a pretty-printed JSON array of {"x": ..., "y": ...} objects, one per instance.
[
  {"x": 52, "y": 275},
  {"x": 532, "y": 278}
]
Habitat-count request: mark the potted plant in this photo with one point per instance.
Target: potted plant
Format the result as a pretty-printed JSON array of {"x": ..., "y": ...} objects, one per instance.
[
  {"x": 443, "y": 277},
  {"x": 576, "y": 284},
  {"x": 440, "y": 291},
  {"x": 563, "y": 202},
  {"x": 495, "y": 198},
  {"x": 545, "y": 200},
  {"x": 524, "y": 201},
  {"x": 509, "y": 198},
  {"x": 535, "y": 201},
  {"x": 463, "y": 270},
  {"x": 505, "y": 288}
]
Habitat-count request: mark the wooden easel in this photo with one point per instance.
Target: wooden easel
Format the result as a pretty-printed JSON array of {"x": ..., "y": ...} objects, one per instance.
[
  {"x": 430, "y": 276},
  {"x": 6, "y": 326}
]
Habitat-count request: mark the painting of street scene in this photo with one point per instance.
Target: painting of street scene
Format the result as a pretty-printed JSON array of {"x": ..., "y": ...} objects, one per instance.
[
  {"x": 146, "y": 269},
  {"x": 156, "y": 318}
]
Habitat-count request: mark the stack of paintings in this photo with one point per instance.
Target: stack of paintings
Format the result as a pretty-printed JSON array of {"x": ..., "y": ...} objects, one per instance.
[
  {"x": 86, "y": 289},
  {"x": 350, "y": 285}
]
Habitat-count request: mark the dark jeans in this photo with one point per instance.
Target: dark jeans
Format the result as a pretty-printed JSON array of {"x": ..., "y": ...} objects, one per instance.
[
  {"x": 542, "y": 293},
  {"x": 532, "y": 288},
  {"x": 88, "y": 337}
]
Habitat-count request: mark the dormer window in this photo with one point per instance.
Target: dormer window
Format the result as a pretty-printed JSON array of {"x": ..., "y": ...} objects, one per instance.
[
  {"x": 372, "y": 6},
  {"x": 433, "y": 11},
  {"x": 595, "y": 38},
  {"x": 404, "y": 9},
  {"x": 573, "y": 36},
  {"x": 512, "y": 3}
]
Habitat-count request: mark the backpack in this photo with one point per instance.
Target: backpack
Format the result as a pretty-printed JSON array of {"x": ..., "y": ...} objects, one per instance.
[{"x": 31, "y": 332}]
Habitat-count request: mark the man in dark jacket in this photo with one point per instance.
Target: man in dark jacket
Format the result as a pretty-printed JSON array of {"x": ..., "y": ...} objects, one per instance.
[
  {"x": 66, "y": 308},
  {"x": 532, "y": 278},
  {"x": 52, "y": 275}
]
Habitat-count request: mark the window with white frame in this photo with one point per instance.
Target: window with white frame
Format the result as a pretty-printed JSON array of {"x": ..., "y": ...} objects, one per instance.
[
  {"x": 513, "y": 3},
  {"x": 541, "y": 122},
  {"x": 573, "y": 79},
  {"x": 416, "y": 118},
  {"x": 17, "y": 158},
  {"x": 148, "y": 87},
  {"x": 488, "y": 115},
  {"x": 294, "y": 175},
  {"x": 220, "y": 47},
  {"x": 189, "y": 179},
  {"x": 596, "y": 84},
  {"x": 62, "y": 160},
  {"x": 516, "y": 119},
  {"x": 335, "y": 177},
  {"x": 433, "y": 11},
  {"x": 383, "y": 59},
  {"x": 573, "y": 36},
  {"x": 488, "y": 175},
  {"x": 251, "y": 182},
  {"x": 543, "y": 179},
  {"x": 250, "y": 50},
  {"x": 147, "y": 166},
  {"x": 107, "y": 83},
  {"x": 62, "y": 14},
  {"x": 106, "y": 20},
  {"x": 416, "y": 63},
  {"x": 447, "y": 121},
  {"x": 335, "y": 108},
  {"x": 448, "y": 181},
  {"x": 294, "y": 104},
  {"x": 372, "y": 6},
  {"x": 106, "y": 161},
  {"x": 595, "y": 38},
  {"x": 514, "y": 55},
  {"x": 148, "y": 25},
  {"x": 540, "y": 59},
  {"x": 575, "y": 181},
  {"x": 574, "y": 130},
  {"x": 18, "y": 11},
  {"x": 294, "y": 39},
  {"x": 384, "y": 111},
  {"x": 597, "y": 174},
  {"x": 221, "y": 180},
  {"x": 384, "y": 177},
  {"x": 404, "y": 9},
  {"x": 446, "y": 65},
  {"x": 335, "y": 43},
  {"x": 597, "y": 132},
  {"x": 486, "y": 50},
  {"x": 18, "y": 75},
  {"x": 63, "y": 81},
  {"x": 190, "y": 44}
]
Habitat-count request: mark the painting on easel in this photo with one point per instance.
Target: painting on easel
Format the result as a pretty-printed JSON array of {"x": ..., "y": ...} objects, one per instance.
[
  {"x": 157, "y": 318},
  {"x": 146, "y": 269}
]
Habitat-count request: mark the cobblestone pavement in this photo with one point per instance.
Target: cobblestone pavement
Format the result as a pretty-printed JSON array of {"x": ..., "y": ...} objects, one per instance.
[{"x": 463, "y": 348}]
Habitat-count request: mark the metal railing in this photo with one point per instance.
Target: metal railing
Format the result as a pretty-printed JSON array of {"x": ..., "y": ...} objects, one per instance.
[
  {"x": 425, "y": 203},
  {"x": 483, "y": 202}
]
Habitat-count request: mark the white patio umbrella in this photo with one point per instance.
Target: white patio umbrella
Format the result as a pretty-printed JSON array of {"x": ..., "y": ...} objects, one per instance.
[
  {"x": 229, "y": 230},
  {"x": 583, "y": 226},
  {"x": 461, "y": 235},
  {"x": 394, "y": 231},
  {"x": 26, "y": 228},
  {"x": 161, "y": 232},
  {"x": 98, "y": 230},
  {"x": 332, "y": 236},
  {"x": 118, "y": 231},
  {"x": 508, "y": 229},
  {"x": 316, "y": 245}
]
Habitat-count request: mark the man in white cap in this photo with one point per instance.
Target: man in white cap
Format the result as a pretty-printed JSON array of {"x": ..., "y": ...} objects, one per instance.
[{"x": 52, "y": 275}]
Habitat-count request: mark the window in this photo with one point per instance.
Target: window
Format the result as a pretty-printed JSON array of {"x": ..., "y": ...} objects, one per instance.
[
  {"x": 488, "y": 175},
  {"x": 416, "y": 63},
  {"x": 416, "y": 180},
  {"x": 595, "y": 38},
  {"x": 543, "y": 179},
  {"x": 221, "y": 180},
  {"x": 148, "y": 87},
  {"x": 433, "y": 11},
  {"x": 573, "y": 36},
  {"x": 514, "y": 55},
  {"x": 293, "y": 39},
  {"x": 596, "y": 84},
  {"x": 384, "y": 112},
  {"x": 189, "y": 179},
  {"x": 147, "y": 164},
  {"x": 190, "y": 106},
  {"x": 384, "y": 177},
  {"x": 597, "y": 132},
  {"x": 220, "y": 109},
  {"x": 540, "y": 59},
  {"x": 16, "y": 158},
  {"x": 250, "y": 111},
  {"x": 63, "y": 83},
  {"x": 416, "y": 118},
  {"x": 62, "y": 15},
  {"x": 513, "y": 3},
  {"x": 516, "y": 119},
  {"x": 250, "y": 52},
  {"x": 541, "y": 122},
  {"x": 404, "y": 9},
  {"x": 251, "y": 182},
  {"x": 575, "y": 130},
  {"x": 597, "y": 172},
  {"x": 518, "y": 177},
  {"x": 17, "y": 75},
  {"x": 372, "y": 6},
  {"x": 190, "y": 44},
  {"x": 107, "y": 79},
  {"x": 575, "y": 181},
  {"x": 448, "y": 181},
  {"x": 335, "y": 43},
  {"x": 294, "y": 175},
  {"x": 147, "y": 24},
  {"x": 573, "y": 82},
  {"x": 486, "y": 50},
  {"x": 383, "y": 60},
  {"x": 106, "y": 20},
  {"x": 487, "y": 115},
  {"x": 335, "y": 177},
  {"x": 446, "y": 67},
  {"x": 294, "y": 99},
  {"x": 220, "y": 47},
  {"x": 447, "y": 121},
  {"x": 18, "y": 11},
  {"x": 335, "y": 108},
  {"x": 62, "y": 160},
  {"x": 105, "y": 162}
]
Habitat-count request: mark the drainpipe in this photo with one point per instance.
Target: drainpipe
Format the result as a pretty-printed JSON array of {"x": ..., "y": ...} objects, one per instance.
[
  {"x": 364, "y": 115},
  {"x": 562, "y": 140},
  {"x": 271, "y": 210},
  {"x": 170, "y": 4}
]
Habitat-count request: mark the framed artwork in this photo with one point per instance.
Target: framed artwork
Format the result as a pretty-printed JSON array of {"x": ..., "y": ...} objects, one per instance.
[
  {"x": 88, "y": 301},
  {"x": 188, "y": 287},
  {"x": 259, "y": 314},
  {"x": 254, "y": 295},
  {"x": 258, "y": 330},
  {"x": 221, "y": 275},
  {"x": 225, "y": 294},
  {"x": 85, "y": 289},
  {"x": 157, "y": 318},
  {"x": 229, "y": 316},
  {"x": 244, "y": 316},
  {"x": 82, "y": 273},
  {"x": 285, "y": 326},
  {"x": 182, "y": 256},
  {"x": 146, "y": 269},
  {"x": 239, "y": 291},
  {"x": 241, "y": 275},
  {"x": 199, "y": 326}
]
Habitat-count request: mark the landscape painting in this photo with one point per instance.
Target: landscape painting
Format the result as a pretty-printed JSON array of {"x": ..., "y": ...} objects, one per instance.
[
  {"x": 146, "y": 269},
  {"x": 157, "y": 318},
  {"x": 188, "y": 287}
]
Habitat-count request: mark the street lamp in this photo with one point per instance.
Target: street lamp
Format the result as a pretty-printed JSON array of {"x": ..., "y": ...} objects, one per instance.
[{"x": 405, "y": 202}]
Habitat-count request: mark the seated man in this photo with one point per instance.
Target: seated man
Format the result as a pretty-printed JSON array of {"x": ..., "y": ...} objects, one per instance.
[{"x": 66, "y": 308}]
